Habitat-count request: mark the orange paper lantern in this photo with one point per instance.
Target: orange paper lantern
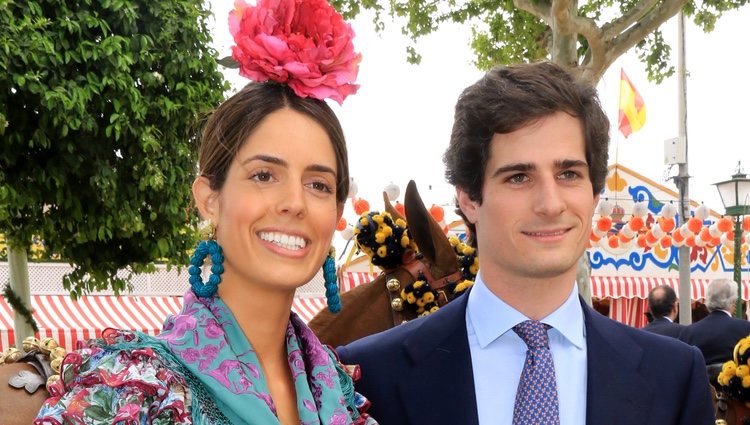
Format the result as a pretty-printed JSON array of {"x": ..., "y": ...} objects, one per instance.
[
  {"x": 604, "y": 223},
  {"x": 724, "y": 224},
  {"x": 650, "y": 238},
  {"x": 746, "y": 224},
  {"x": 613, "y": 242},
  {"x": 594, "y": 237},
  {"x": 341, "y": 225},
  {"x": 705, "y": 235},
  {"x": 677, "y": 237},
  {"x": 636, "y": 223},
  {"x": 666, "y": 224},
  {"x": 400, "y": 208},
  {"x": 694, "y": 225},
  {"x": 641, "y": 241},
  {"x": 437, "y": 212},
  {"x": 665, "y": 241},
  {"x": 361, "y": 206},
  {"x": 690, "y": 241}
]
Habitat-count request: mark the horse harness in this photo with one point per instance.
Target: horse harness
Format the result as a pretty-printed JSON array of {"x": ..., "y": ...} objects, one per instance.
[{"x": 417, "y": 269}]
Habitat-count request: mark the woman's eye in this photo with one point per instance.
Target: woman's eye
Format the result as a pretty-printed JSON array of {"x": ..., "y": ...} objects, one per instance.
[
  {"x": 321, "y": 186},
  {"x": 262, "y": 176}
]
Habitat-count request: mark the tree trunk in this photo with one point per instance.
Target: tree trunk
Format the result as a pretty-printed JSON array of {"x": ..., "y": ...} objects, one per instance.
[
  {"x": 19, "y": 283},
  {"x": 583, "y": 278},
  {"x": 563, "y": 50}
]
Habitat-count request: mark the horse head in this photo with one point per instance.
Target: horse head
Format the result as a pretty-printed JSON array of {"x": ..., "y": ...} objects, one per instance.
[{"x": 421, "y": 271}]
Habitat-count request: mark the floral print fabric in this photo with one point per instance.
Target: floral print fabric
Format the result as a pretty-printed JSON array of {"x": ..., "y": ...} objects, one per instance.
[{"x": 200, "y": 369}]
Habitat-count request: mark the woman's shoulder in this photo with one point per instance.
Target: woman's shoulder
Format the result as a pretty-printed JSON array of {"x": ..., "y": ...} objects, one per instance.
[{"x": 117, "y": 378}]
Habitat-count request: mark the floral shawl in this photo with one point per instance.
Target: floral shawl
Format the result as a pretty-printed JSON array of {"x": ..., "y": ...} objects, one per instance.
[{"x": 200, "y": 369}]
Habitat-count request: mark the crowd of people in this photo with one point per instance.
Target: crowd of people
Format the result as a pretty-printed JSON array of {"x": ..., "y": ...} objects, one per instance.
[{"x": 528, "y": 158}]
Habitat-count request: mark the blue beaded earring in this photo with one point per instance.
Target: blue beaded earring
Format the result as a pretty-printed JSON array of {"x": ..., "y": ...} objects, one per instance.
[
  {"x": 332, "y": 287},
  {"x": 205, "y": 248}
]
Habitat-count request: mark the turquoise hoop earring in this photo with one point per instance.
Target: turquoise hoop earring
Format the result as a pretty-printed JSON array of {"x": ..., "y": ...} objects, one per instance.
[
  {"x": 332, "y": 287},
  {"x": 204, "y": 249}
]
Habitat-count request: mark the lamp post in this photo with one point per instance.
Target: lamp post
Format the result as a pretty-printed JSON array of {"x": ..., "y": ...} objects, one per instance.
[{"x": 735, "y": 195}]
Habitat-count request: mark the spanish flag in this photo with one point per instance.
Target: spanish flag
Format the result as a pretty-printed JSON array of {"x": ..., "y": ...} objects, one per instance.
[{"x": 632, "y": 108}]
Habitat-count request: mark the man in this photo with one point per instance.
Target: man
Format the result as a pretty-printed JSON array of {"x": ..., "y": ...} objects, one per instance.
[
  {"x": 528, "y": 157},
  {"x": 717, "y": 334},
  {"x": 663, "y": 306}
]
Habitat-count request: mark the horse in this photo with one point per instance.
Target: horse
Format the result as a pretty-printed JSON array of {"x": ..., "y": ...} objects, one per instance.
[
  {"x": 23, "y": 378},
  {"x": 380, "y": 304}
]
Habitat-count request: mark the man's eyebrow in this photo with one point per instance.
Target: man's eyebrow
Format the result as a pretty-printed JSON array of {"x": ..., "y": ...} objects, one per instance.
[
  {"x": 570, "y": 163},
  {"x": 518, "y": 167}
]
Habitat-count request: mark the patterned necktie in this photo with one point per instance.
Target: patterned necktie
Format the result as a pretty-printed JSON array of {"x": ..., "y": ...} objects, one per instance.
[{"x": 536, "y": 397}]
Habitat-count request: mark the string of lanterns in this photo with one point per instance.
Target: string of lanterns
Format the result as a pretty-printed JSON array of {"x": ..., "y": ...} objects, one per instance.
[
  {"x": 362, "y": 206},
  {"x": 643, "y": 229}
]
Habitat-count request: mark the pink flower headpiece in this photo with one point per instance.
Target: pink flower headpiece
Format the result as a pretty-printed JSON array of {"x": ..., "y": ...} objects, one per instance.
[{"x": 305, "y": 44}]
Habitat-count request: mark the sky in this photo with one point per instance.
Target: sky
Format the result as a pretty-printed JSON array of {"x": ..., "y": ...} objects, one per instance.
[{"x": 398, "y": 124}]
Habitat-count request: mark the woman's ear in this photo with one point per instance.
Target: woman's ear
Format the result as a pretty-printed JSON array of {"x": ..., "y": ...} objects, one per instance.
[{"x": 206, "y": 199}]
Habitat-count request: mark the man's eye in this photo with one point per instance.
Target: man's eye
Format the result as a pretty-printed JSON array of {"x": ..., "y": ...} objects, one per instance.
[{"x": 518, "y": 178}]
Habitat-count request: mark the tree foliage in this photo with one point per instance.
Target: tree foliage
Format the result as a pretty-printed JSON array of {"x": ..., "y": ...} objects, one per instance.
[
  {"x": 587, "y": 36},
  {"x": 99, "y": 103}
]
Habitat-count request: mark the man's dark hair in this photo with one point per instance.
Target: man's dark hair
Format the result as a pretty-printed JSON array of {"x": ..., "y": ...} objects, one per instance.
[
  {"x": 661, "y": 301},
  {"x": 508, "y": 98}
]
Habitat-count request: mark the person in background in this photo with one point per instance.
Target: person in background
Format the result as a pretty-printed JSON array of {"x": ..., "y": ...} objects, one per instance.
[
  {"x": 528, "y": 157},
  {"x": 272, "y": 181},
  {"x": 717, "y": 334},
  {"x": 663, "y": 306}
]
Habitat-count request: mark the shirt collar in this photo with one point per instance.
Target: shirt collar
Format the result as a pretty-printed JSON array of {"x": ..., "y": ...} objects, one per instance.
[{"x": 491, "y": 317}]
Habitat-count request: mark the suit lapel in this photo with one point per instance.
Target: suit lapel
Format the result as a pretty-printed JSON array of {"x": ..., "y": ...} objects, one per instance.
[
  {"x": 439, "y": 349},
  {"x": 616, "y": 392}
]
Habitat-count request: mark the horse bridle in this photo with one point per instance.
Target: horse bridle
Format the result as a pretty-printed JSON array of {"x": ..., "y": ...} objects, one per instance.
[{"x": 417, "y": 269}]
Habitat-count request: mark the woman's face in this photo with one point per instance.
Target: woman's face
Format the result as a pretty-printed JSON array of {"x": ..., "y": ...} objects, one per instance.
[{"x": 277, "y": 211}]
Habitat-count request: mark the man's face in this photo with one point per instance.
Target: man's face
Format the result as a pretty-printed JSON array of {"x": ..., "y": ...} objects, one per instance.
[{"x": 538, "y": 202}]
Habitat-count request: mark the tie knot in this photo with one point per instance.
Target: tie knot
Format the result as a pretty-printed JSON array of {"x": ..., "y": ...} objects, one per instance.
[{"x": 533, "y": 333}]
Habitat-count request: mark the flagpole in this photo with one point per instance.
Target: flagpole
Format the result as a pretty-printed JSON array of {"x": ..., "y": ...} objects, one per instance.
[{"x": 683, "y": 178}]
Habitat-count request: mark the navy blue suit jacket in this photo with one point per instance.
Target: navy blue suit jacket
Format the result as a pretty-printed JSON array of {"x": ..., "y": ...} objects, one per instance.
[
  {"x": 716, "y": 335},
  {"x": 420, "y": 373},
  {"x": 664, "y": 326}
]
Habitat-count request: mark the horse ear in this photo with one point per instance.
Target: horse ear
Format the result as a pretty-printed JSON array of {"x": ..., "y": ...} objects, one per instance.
[
  {"x": 389, "y": 208},
  {"x": 425, "y": 231}
]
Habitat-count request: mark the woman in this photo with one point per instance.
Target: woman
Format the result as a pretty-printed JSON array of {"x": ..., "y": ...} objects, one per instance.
[{"x": 273, "y": 178}]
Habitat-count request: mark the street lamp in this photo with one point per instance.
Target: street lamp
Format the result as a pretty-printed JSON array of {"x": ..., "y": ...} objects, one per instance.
[{"x": 735, "y": 195}]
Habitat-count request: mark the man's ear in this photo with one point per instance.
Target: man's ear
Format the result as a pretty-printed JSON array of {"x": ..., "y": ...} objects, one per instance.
[
  {"x": 206, "y": 199},
  {"x": 468, "y": 207}
]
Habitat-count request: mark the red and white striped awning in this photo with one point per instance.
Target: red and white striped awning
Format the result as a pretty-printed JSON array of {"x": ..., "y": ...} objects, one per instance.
[
  {"x": 639, "y": 287},
  {"x": 69, "y": 321},
  {"x": 348, "y": 280}
]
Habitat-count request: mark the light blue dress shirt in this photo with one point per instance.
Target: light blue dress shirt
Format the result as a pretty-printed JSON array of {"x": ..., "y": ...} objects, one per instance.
[{"x": 498, "y": 354}]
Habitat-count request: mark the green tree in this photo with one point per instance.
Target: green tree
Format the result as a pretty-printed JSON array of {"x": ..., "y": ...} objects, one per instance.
[
  {"x": 99, "y": 106},
  {"x": 586, "y": 36}
]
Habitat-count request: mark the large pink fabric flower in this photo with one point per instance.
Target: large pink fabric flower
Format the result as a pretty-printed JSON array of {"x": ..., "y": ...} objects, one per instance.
[{"x": 305, "y": 44}]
